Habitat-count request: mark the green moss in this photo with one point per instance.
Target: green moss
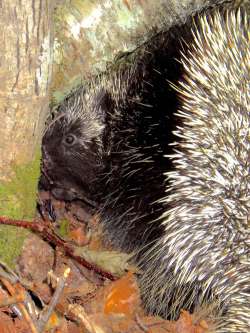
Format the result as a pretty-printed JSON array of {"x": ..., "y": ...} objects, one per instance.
[
  {"x": 64, "y": 228},
  {"x": 11, "y": 241},
  {"x": 18, "y": 201}
]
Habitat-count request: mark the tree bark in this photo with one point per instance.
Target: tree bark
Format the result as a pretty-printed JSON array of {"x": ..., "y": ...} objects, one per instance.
[
  {"x": 25, "y": 67},
  {"x": 25, "y": 72}
]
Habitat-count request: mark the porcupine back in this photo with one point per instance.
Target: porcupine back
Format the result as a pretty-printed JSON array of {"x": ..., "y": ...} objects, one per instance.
[{"x": 204, "y": 255}]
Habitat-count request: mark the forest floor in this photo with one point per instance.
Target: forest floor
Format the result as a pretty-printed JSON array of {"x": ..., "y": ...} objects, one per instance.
[{"x": 68, "y": 280}]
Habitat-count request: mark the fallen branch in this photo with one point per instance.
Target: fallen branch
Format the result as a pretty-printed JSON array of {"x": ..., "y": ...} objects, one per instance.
[{"x": 45, "y": 231}]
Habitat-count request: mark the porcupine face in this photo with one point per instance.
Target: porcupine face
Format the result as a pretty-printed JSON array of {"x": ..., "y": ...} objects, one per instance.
[{"x": 72, "y": 153}]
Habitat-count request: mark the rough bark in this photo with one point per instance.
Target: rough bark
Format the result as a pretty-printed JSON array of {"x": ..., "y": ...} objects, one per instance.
[
  {"x": 25, "y": 71},
  {"x": 25, "y": 66}
]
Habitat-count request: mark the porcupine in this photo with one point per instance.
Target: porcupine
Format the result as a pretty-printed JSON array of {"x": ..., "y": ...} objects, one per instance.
[{"x": 199, "y": 245}]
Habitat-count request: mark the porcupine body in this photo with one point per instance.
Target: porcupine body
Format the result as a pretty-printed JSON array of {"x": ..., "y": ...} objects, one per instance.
[
  {"x": 204, "y": 255},
  {"x": 109, "y": 145}
]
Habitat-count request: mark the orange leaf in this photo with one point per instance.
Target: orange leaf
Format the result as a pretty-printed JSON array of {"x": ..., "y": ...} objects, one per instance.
[{"x": 123, "y": 296}]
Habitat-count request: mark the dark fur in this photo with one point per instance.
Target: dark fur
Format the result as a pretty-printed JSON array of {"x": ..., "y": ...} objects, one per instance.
[{"x": 122, "y": 168}]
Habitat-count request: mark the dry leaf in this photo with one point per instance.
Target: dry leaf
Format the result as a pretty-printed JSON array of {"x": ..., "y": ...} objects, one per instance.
[
  {"x": 112, "y": 261},
  {"x": 123, "y": 296}
]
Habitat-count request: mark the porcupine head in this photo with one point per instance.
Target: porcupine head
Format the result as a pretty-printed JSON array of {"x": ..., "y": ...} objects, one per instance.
[
  {"x": 73, "y": 146},
  {"x": 77, "y": 143}
]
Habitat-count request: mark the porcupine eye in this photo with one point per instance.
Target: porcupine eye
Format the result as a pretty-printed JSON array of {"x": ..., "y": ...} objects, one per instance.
[{"x": 70, "y": 140}]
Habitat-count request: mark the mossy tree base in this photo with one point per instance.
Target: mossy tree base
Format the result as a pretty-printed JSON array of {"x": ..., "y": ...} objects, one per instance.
[{"x": 18, "y": 198}]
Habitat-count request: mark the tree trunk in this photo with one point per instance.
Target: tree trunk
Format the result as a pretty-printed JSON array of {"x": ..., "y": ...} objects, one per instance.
[
  {"x": 25, "y": 71},
  {"x": 91, "y": 33}
]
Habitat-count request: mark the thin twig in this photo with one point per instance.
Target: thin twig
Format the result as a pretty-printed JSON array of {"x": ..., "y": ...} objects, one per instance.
[
  {"x": 12, "y": 300},
  {"x": 21, "y": 306},
  {"x": 78, "y": 311},
  {"x": 47, "y": 233},
  {"x": 54, "y": 301},
  {"x": 141, "y": 325}
]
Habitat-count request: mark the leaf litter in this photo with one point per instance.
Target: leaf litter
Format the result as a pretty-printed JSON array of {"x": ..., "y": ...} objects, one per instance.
[{"x": 52, "y": 292}]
